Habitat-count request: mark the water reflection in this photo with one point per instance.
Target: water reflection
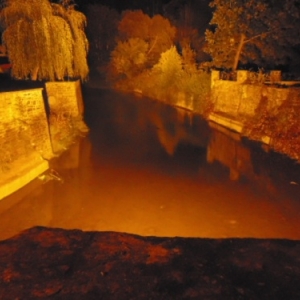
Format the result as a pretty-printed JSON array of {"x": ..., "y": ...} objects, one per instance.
[
  {"x": 225, "y": 146},
  {"x": 151, "y": 169}
]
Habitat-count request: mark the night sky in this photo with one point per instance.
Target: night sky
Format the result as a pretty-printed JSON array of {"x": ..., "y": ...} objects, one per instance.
[{"x": 152, "y": 6}]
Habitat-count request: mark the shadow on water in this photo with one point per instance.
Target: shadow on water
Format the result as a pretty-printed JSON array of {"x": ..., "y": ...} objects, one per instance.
[{"x": 151, "y": 169}]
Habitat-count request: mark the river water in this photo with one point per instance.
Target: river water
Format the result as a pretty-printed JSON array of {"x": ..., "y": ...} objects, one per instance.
[{"x": 155, "y": 170}]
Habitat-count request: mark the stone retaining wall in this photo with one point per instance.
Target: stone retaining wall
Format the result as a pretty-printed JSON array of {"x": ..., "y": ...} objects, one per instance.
[
  {"x": 263, "y": 111},
  {"x": 66, "y": 111},
  {"x": 30, "y": 123},
  {"x": 242, "y": 98}
]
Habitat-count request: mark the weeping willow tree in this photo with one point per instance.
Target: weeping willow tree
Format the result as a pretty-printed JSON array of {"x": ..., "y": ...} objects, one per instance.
[{"x": 44, "y": 41}]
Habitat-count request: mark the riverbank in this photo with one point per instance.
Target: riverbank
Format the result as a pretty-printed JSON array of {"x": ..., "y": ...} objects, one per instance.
[
  {"x": 101, "y": 191},
  {"x": 264, "y": 113},
  {"x": 36, "y": 124}
]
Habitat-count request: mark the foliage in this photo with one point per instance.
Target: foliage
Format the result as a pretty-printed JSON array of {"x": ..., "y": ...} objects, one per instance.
[
  {"x": 280, "y": 124},
  {"x": 189, "y": 59},
  {"x": 191, "y": 19},
  {"x": 146, "y": 59},
  {"x": 161, "y": 37},
  {"x": 171, "y": 76},
  {"x": 102, "y": 29},
  {"x": 197, "y": 83},
  {"x": 129, "y": 57},
  {"x": 134, "y": 24},
  {"x": 43, "y": 40},
  {"x": 157, "y": 32},
  {"x": 169, "y": 68},
  {"x": 260, "y": 32},
  {"x": 259, "y": 77}
]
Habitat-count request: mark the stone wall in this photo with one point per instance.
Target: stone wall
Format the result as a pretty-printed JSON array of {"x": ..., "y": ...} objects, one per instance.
[
  {"x": 34, "y": 126},
  {"x": 24, "y": 138},
  {"x": 265, "y": 111},
  {"x": 66, "y": 111},
  {"x": 241, "y": 98}
]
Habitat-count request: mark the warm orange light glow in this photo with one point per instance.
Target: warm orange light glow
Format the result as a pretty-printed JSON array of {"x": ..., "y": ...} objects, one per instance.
[{"x": 128, "y": 182}]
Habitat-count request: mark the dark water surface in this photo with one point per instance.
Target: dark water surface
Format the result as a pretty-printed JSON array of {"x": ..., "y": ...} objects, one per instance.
[{"x": 150, "y": 169}]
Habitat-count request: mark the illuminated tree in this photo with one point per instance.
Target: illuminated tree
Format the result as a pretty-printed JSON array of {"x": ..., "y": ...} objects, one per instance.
[
  {"x": 169, "y": 68},
  {"x": 44, "y": 40},
  {"x": 157, "y": 32},
  {"x": 262, "y": 32},
  {"x": 129, "y": 57},
  {"x": 189, "y": 59},
  {"x": 134, "y": 24},
  {"x": 162, "y": 36}
]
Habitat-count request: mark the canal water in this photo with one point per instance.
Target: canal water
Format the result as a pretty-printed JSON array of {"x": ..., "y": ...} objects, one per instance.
[{"x": 154, "y": 170}]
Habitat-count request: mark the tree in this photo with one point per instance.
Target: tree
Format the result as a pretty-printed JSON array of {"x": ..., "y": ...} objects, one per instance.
[
  {"x": 161, "y": 37},
  {"x": 129, "y": 57},
  {"x": 189, "y": 59},
  {"x": 191, "y": 19},
  {"x": 157, "y": 32},
  {"x": 169, "y": 68},
  {"x": 44, "y": 41},
  {"x": 260, "y": 32},
  {"x": 134, "y": 24}
]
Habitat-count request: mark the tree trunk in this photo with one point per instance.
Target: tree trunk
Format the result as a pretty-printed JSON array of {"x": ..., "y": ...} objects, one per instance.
[
  {"x": 34, "y": 73},
  {"x": 238, "y": 52}
]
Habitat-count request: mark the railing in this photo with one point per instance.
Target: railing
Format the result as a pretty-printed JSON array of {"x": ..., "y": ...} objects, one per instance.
[{"x": 274, "y": 77}]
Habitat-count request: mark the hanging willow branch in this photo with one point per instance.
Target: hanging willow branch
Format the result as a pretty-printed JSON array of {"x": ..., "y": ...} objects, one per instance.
[{"x": 44, "y": 41}]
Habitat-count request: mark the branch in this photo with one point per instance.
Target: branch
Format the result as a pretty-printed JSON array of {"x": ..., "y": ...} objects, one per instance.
[
  {"x": 152, "y": 45},
  {"x": 257, "y": 36}
]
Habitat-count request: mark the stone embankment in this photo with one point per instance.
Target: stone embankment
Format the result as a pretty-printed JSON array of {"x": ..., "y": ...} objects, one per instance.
[
  {"x": 263, "y": 111},
  {"x": 36, "y": 125}
]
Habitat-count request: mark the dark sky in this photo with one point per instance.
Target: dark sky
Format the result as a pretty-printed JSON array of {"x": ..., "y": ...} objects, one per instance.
[
  {"x": 124, "y": 4},
  {"x": 150, "y": 7}
]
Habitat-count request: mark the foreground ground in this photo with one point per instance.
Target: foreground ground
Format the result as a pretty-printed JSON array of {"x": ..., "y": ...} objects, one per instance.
[{"x": 44, "y": 263}]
